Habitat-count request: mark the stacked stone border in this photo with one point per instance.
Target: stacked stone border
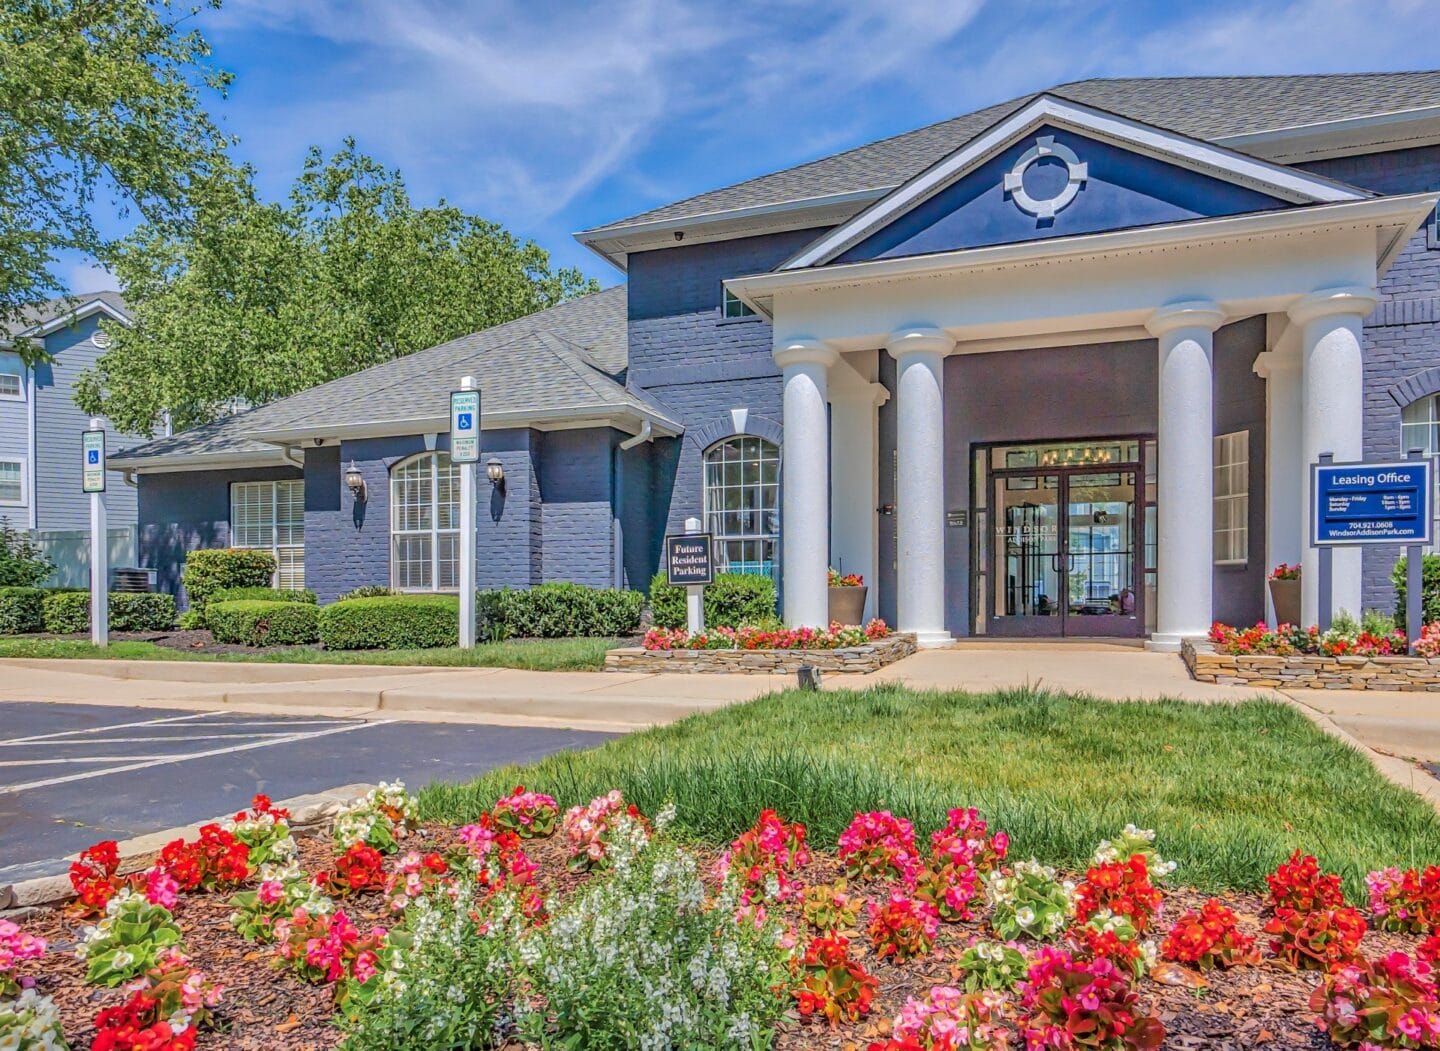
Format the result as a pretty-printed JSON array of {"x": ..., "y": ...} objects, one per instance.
[
  {"x": 857, "y": 659},
  {"x": 1311, "y": 671}
]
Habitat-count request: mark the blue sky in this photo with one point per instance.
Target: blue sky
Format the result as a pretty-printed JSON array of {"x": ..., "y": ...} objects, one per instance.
[{"x": 553, "y": 116}]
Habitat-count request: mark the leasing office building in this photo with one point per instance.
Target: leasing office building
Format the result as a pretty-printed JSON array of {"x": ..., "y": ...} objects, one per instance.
[{"x": 1055, "y": 367}]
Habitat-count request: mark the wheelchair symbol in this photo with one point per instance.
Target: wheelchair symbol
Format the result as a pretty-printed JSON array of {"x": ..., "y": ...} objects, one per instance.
[{"x": 464, "y": 421}]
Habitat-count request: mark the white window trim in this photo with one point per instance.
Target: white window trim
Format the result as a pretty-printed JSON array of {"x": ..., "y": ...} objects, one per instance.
[
  {"x": 1431, "y": 403},
  {"x": 729, "y": 299},
  {"x": 24, "y": 466},
  {"x": 721, "y": 539},
  {"x": 275, "y": 546},
  {"x": 434, "y": 532},
  {"x": 1240, "y": 499},
  {"x": 19, "y": 394}
]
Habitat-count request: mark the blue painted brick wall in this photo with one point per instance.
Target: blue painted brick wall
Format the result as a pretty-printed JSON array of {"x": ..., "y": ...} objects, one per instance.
[
  {"x": 576, "y": 494},
  {"x": 1402, "y": 336}
]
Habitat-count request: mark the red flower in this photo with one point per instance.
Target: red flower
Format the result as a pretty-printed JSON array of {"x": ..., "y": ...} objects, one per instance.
[
  {"x": 1208, "y": 938},
  {"x": 831, "y": 984},
  {"x": 1121, "y": 887},
  {"x": 93, "y": 876},
  {"x": 1298, "y": 884}
]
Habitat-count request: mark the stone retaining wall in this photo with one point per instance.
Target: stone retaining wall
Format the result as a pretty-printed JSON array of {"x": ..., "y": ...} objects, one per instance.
[
  {"x": 1311, "y": 671},
  {"x": 870, "y": 657}
]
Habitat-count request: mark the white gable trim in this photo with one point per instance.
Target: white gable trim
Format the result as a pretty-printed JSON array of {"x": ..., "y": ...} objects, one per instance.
[
  {"x": 1288, "y": 184},
  {"x": 70, "y": 317}
]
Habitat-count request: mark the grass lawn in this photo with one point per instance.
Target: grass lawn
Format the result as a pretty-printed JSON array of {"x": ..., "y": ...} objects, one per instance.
[
  {"x": 530, "y": 654},
  {"x": 1231, "y": 788}
]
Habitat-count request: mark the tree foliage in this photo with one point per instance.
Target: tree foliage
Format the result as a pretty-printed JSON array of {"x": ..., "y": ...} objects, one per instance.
[
  {"x": 259, "y": 300},
  {"x": 98, "y": 98}
]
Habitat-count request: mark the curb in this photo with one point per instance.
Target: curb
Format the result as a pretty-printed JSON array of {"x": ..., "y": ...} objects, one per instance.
[{"x": 309, "y": 814}]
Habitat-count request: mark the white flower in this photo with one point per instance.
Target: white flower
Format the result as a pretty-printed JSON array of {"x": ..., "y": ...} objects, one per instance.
[{"x": 1025, "y": 916}]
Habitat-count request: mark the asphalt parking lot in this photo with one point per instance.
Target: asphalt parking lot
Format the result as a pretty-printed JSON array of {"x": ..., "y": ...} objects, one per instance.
[{"x": 71, "y": 774}]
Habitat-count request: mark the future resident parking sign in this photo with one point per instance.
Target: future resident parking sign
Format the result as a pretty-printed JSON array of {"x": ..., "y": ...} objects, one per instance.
[
  {"x": 465, "y": 426},
  {"x": 1372, "y": 503}
]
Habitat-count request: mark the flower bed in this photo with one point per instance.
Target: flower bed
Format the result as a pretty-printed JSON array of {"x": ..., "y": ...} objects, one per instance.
[
  {"x": 523, "y": 929},
  {"x": 840, "y": 648},
  {"x": 1345, "y": 658}
]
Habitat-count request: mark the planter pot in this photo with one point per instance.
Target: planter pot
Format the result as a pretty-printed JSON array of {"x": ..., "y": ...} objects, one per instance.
[
  {"x": 847, "y": 605},
  {"x": 1285, "y": 594}
]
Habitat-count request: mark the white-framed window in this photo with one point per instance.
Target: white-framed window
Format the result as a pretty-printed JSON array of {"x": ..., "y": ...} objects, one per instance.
[
  {"x": 1232, "y": 498},
  {"x": 742, "y": 504},
  {"x": 12, "y": 482},
  {"x": 732, "y": 306},
  {"x": 12, "y": 386},
  {"x": 270, "y": 516},
  {"x": 1420, "y": 429},
  {"x": 425, "y": 524}
]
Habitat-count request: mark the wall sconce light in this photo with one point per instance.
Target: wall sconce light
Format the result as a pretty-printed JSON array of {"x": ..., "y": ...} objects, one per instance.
[
  {"x": 355, "y": 482},
  {"x": 495, "y": 471}
]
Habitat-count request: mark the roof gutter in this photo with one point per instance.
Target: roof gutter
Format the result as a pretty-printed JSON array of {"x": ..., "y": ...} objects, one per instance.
[
  {"x": 645, "y": 434},
  {"x": 563, "y": 417},
  {"x": 290, "y": 456}
]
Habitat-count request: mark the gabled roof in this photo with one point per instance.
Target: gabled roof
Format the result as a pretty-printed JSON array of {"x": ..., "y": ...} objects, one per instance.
[
  {"x": 1241, "y": 110},
  {"x": 1287, "y": 184},
  {"x": 556, "y": 367},
  {"x": 55, "y": 314}
]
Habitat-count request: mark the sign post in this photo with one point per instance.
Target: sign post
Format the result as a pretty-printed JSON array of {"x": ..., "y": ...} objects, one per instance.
[
  {"x": 465, "y": 452},
  {"x": 688, "y": 564},
  {"x": 1359, "y": 504},
  {"x": 92, "y": 481},
  {"x": 1414, "y": 580}
]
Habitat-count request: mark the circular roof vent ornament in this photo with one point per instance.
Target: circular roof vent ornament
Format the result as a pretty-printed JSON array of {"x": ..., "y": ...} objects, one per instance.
[
  {"x": 1076, "y": 171},
  {"x": 101, "y": 339}
]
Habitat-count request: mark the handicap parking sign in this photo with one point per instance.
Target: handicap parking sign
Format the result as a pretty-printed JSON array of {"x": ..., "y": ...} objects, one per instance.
[
  {"x": 93, "y": 456},
  {"x": 464, "y": 426},
  {"x": 464, "y": 421}
]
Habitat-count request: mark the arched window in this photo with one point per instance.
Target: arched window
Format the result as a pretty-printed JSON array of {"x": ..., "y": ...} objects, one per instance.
[
  {"x": 1420, "y": 429},
  {"x": 425, "y": 524},
  {"x": 742, "y": 503}
]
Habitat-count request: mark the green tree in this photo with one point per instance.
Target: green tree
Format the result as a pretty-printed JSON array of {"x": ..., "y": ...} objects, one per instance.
[
  {"x": 259, "y": 300},
  {"x": 98, "y": 98}
]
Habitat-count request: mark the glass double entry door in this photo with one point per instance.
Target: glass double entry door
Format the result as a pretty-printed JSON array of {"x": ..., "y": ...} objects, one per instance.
[{"x": 1067, "y": 552}]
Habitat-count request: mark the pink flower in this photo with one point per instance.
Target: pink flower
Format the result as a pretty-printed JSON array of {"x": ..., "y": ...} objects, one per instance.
[
  {"x": 270, "y": 892},
  {"x": 161, "y": 888}
]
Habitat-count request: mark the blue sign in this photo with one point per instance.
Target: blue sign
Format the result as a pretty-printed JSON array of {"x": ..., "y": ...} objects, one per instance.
[
  {"x": 464, "y": 432},
  {"x": 1371, "y": 503},
  {"x": 465, "y": 421}
]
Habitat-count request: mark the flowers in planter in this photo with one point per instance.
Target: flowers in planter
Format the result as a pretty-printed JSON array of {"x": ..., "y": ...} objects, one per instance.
[
  {"x": 1062, "y": 996},
  {"x": 1208, "y": 938},
  {"x": 588, "y": 829},
  {"x": 1387, "y": 1003},
  {"x": 31, "y": 1022},
  {"x": 836, "y": 636},
  {"x": 214, "y": 859},
  {"x": 902, "y": 927},
  {"x": 1428, "y": 644},
  {"x": 360, "y": 868},
  {"x": 93, "y": 877},
  {"x": 1286, "y": 571},
  {"x": 329, "y": 948},
  {"x": 964, "y": 839},
  {"x": 948, "y": 1020},
  {"x": 127, "y": 941},
  {"x": 845, "y": 580},
  {"x": 1121, "y": 888},
  {"x": 16, "y": 946},
  {"x": 1346, "y": 638},
  {"x": 832, "y": 985},
  {"x": 765, "y": 859},
  {"x": 830, "y": 907},
  {"x": 528, "y": 814},
  {"x": 1029, "y": 899},
  {"x": 1132, "y": 841},
  {"x": 992, "y": 965},
  {"x": 265, "y": 831},
  {"x": 279, "y": 893},
  {"x": 1406, "y": 902},
  {"x": 879, "y": 845},
  {"x": 379, "y": 819}
]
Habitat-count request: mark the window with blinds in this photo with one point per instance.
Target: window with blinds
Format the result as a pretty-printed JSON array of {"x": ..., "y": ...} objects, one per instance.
[
  {"x": 12, "y": 481},
  {"x": 1232, "y": 498},
  {"x": 425, "y": 524},
  {"x": 271, "y": 516}
]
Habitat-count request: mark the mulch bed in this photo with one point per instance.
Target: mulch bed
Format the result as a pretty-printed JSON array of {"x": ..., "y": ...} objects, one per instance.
[
  {"x": 267, "y": 1009},
  {"x": 190, "y": 641}
]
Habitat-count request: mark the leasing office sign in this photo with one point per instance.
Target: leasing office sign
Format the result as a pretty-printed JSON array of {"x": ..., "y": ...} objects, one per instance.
[{"x": 1372, "y": 503}]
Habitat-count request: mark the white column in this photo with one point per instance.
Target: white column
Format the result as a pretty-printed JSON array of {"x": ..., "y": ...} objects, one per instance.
[
  {"x": 855, "y": 479},
  {"x": 804, "y": 482},
  {"x": 1332, "y": 421},
  {"x": 1184, "y": 509},
  {"x": 1284, "y": 463},
  {"x": 920, "y": 486}
]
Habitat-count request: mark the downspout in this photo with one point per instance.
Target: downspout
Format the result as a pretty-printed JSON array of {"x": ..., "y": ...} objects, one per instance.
[
  {"x": 288, "y": 454},
  {"x": 617, "y": 491},
  {"x": 643, "y": 435},
  {"x": 129, "y": 475}
]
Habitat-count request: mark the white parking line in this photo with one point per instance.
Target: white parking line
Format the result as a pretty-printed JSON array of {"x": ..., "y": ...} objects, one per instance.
[
  {"x": 116, "y": 726},
  {"x": 151, "y": 740},
  {"x": 47, "y": 782},
  {"x": 84, "y": 759}
]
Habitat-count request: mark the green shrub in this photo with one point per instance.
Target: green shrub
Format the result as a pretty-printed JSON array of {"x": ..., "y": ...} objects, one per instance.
[
  {"x": 22, "y": 561},
  {"x": 368, "y": 591},
  {"x": 1429, "y": 590},
  {"x": 209, "y": 570},
  {"x": 68, "y": 612},
  {"x": 22, "y": 610},
  {"x": 391, "y": 622},
  {"x": 263, "y": 622},
  {"x": 262, "y": 595},
  {"x": 734, "y": 600},
  {"x": 556, "y": 611}
]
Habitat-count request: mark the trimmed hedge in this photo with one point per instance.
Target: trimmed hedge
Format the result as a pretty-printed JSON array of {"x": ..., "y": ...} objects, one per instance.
[
  {"x": 369, "y": 591},
  {"x": 557, "y": 611},
  {"x": 1429, "y": 590},
  {"x": 22, "y": 610},
  {"x": 734, "y": 600},
  {"x": 391, "y": 622},
  {"x": 263, "y": 622},
  {"x": 68, "y": 612},
  {"x": 262, "y": 595},
  {"x": 209, "y": 570}
]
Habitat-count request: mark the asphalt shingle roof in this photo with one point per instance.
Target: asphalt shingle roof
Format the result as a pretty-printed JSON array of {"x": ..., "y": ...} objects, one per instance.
[
  {"x": 1201, "y": 107},
  {"x": 565, "y": 358},
  {"x": 52, "y": 309}
]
